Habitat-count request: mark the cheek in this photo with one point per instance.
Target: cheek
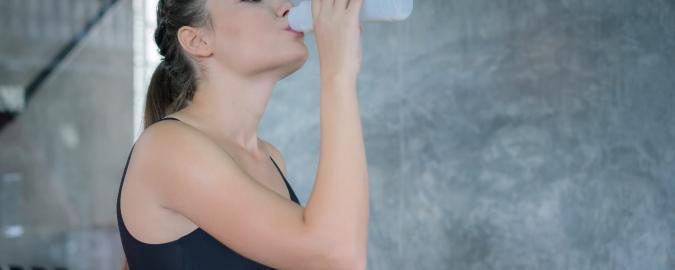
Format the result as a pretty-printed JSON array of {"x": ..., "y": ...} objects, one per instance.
[
  {"x": 246, "y": 39},
  {"x": 247, "y": 31},
  {"x": 227, "y": 39},
  {"x": 249, "y": 39}
]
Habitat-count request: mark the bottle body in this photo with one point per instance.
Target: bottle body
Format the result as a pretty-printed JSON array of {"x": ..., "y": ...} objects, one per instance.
[{"x": 300, "y": 16}]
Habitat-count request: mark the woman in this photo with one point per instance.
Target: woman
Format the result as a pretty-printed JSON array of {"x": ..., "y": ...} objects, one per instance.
[{"x": 203, "y": 191}]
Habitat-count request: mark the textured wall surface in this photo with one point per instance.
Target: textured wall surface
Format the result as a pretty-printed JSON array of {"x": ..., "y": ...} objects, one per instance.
[{"x": 508, "y": 135}]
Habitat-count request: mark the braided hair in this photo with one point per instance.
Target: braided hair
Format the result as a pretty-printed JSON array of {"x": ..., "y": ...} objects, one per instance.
[{"x": 174, "y": 81}]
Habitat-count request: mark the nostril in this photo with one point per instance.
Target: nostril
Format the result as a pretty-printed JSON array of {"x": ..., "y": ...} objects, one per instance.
[{"x": 286, "y": 12}]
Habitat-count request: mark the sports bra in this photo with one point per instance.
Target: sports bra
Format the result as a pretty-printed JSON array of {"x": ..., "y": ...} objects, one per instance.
[{"x": 195, "y": 250}]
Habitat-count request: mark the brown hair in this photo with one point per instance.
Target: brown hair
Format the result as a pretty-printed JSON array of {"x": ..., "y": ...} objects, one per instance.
[{"x": 174, "y": 82}]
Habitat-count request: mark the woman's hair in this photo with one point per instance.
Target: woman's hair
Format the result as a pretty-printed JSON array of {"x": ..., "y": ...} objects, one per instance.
[{"x": 174, "y": 82}]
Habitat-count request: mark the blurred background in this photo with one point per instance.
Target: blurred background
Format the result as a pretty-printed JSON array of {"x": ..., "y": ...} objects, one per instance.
[{"x": 500, "y": 134}]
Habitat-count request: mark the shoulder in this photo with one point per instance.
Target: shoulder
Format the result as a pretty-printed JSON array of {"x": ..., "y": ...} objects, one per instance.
[
  {"x": 172, "y": 148},
  {"x": 179, "y": 160},
  {"x": 165, "y": 138},
  {"x": 276, "y": 155}
]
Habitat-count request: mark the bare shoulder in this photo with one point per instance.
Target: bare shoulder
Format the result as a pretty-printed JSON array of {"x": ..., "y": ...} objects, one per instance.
[
  {"x": 276, "y": 155},
  {"x": 169, "y": 139},
  {"x": 170, "y": 149}
]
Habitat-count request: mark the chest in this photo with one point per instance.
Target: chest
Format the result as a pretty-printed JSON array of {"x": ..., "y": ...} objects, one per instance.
[{"x": 266, "y": 174}]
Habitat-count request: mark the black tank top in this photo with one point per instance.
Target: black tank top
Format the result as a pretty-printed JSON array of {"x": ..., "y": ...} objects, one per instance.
[{"x": 195, "y": 250}]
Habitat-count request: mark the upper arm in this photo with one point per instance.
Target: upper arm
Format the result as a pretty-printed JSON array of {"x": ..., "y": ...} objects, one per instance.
[{"x": 203, "y": 183}]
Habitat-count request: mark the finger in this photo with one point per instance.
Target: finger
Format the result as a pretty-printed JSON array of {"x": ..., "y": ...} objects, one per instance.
[
  {"x": 327, "y": 7},
  {"x": 354, "y": 7},
  {"x": 316, "y": 8}
]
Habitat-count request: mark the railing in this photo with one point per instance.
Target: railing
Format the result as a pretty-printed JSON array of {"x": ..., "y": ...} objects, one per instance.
[{"x": 45, "y": 21}]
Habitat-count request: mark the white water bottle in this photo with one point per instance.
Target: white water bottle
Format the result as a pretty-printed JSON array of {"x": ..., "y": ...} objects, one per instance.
[{"x": 300, "y": 16}]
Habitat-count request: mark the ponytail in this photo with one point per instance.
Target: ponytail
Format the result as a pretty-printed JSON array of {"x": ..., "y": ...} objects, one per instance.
[
  {"x": 171, "y": 89},
  {"x": 158, "y": 100}
]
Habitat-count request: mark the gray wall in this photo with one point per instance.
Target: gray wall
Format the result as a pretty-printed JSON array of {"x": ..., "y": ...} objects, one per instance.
[{"x": 509, "y": 135}]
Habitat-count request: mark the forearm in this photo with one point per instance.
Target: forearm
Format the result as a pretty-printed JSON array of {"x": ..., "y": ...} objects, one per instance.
[{"x": 339, "y": 205}]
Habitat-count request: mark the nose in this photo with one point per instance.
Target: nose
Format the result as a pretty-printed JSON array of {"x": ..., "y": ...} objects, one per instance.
[{"x": 284, "y": 8}]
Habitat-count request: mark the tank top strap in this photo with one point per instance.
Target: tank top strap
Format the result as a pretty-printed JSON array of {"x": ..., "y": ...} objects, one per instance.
[
  {"x": 168, "y": 118},
  {"x": 275, "y": 165},
  {"x": 288, "y": 185}
]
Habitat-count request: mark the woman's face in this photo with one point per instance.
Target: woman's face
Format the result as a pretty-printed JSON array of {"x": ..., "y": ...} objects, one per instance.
[{"x": 249, "y": 37}]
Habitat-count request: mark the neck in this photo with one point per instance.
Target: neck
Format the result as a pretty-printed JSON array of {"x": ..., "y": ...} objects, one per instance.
[{"x": 229, "y": 109}]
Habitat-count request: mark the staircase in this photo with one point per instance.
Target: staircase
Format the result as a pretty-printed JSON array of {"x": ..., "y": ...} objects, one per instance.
[{"x": 38, "y": 35}]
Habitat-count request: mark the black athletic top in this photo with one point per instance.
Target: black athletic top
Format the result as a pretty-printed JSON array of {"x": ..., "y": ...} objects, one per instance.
[{"x": 196, "y": 251}]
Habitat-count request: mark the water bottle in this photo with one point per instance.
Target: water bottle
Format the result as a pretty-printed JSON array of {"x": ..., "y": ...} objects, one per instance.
[{"x": 300, "y": 16}]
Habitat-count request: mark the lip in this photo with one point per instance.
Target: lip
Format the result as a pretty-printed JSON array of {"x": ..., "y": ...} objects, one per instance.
[{"x": 295, "y": 32}]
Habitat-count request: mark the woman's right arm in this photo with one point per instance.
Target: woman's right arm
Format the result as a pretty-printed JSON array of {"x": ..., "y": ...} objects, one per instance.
[
  {"x": 197, "y": 179},
  {"x": 338, "y": 207}
]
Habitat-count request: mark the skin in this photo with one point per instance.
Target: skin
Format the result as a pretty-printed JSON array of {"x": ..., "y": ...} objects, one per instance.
[{"x": 213, "y": 165}]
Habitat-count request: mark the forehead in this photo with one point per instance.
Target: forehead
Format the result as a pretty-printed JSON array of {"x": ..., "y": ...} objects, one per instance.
[
  {"x": 216, "y": 7},
  {"x": 221, "y": 3}
]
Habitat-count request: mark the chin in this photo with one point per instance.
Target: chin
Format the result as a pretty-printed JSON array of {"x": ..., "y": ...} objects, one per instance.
[
  {"x": 293, "y": 69},
  {"x": 295, "y": 64}
]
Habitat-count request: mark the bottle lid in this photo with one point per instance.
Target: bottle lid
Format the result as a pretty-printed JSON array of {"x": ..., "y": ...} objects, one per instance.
[{"x": 300, "y": 17}]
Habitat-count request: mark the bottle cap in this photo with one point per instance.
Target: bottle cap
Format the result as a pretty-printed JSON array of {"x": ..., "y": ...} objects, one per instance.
[{"x": 300, "y": 17}]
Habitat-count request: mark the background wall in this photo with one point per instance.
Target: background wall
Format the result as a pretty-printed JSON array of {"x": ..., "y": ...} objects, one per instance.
[
  {"x": 500, "y": 135},
  {"x": 509, "y": 135}
]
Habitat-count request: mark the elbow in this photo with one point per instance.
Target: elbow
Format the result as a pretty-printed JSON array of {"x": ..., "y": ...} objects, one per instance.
[
  {"x": 348, "y": 259},
  {"x": 337, "y": 253}
]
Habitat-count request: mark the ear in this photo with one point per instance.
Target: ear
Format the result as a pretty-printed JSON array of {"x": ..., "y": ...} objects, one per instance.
[{"x": 194, "y": 41}]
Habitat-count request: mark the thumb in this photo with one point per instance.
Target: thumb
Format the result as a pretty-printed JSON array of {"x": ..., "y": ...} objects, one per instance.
[
  {"x": 354, "y": 7},
  {"x": 316, "y": 8}
]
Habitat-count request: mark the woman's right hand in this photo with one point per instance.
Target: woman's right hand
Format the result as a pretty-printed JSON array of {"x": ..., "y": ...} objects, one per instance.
[{"x": 337, "y": 31}]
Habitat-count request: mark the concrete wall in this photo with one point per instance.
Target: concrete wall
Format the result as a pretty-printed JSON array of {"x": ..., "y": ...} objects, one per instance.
[{"x": 509, "y": 135}]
